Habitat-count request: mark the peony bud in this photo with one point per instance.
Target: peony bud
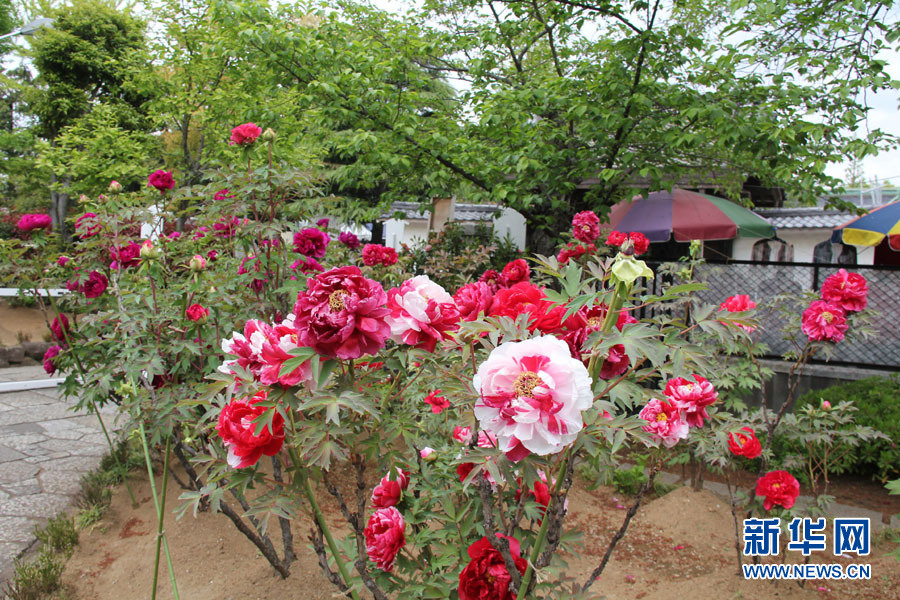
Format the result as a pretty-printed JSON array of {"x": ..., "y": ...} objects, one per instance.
[
  {"x": 82, "y": 199},
  {"x": 826, "y": 405},
  {"x": 268, "y": 135},
  {"x": 428, "y": 454},
  {"x": 197, "y": 263},
  {"x": 115, "y": 187},
  {"x": 149, "y": 251}
]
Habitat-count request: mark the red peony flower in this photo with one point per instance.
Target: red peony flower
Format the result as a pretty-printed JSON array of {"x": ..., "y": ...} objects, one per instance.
[
  {"x": 244, "y": 135},
  {"x": 30, "y": 222},
  {"x": 744, "y": 444},
  {"x": 824, "y": 322},
  {"x": 515, "y": 272},
  {"x": 161, "y": 180},
  {"x": 385, "y": 537},
  {"x": 376, "y": 254},
  {"x": 473, "y": 299},
  {"x": 540, "y": 492},
  {"x": 49, "y": 359},
  {"x": 236, "y": 428},
  {"x": 616, "y": 238},
  {"x": 463, "y": 470},
  {"x": 585, "y": 322},
  {"x": 692, "y": 398},
  {"x": 95, "y": 285},
  {"x": 422, "y": 313},
  {"x": 847, "y": 290},
  {"x": 586, "y": 226},
  {"x": 349, "y": 239},
  {"x": 739, "y": 303},
  {"x": 574, "y": 251},
  {"x": 778, "y": 487},
  {"x": 342, "y": 314},
  {"x": 463, "y": 435},
  {"x": 387, "y": 493},
  {"x": 528, "y": 298},
  {"x": 197, "y": 313},
  {"x": 60, "y": 327},
  {"x": 437, "y": 402},
  {"x": 311, "y": 242},
  {"x": 634, "y": 239},
  {"x": 486, "y": 576}
]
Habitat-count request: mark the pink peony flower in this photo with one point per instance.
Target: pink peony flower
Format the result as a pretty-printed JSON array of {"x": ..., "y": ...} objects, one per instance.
[
  {"x": 197, "y": 313},
  {"x": 532, "y": 395},
  {"x": 664, "y": 422},
  {"x": 463, "y": 435},
  {"x": 173, "y": 236},
  {"x": 692, "y": 398},
  {"x": 311, "y": 242},
  {"x": 95, "y": 285},
  {"x": 586, "y": 226},
  {"x": 342, "y": 314},
  {"x": 60, "y": 328},
  {"x": 778, "y": 487},
  {"x": 323, "y": 223},
  {"x": 87, "y": 225},
  {"x": 376, "y": 254},
  {"x": 824, "y": 322},
  {"x": 247, "y": 347},
  {"x": 385, "y": 537},
  {"x": 50, "y": 359},
  {"x": 237, "y": 429},
  {"x": 515, "y": 272},
  {"x": 310, "y": 265},
  {"x": 161, "y": 180},
  {"x": 349, "y": 239},
  {"x": 275, "y": 350},
  {"x": 200, "y": 232},
  {"x": 427, "y": 454},
  {"x": 437, "y": 402},
  {"x": 589, "y": 320},
  {"x": 472, "y": 300},
  {"x": 847, "y": 290},
  {"x": 30, "y": 222},
  {"x": 244, "y": 135},
  {"x": 422, "y": 313}
]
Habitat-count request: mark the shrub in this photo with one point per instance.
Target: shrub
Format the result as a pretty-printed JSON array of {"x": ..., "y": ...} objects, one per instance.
[{"x": 876, "y": 400}]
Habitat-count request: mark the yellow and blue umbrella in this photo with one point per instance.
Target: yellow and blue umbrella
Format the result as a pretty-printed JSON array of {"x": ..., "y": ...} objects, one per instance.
[{"x": 871, "y": 229}]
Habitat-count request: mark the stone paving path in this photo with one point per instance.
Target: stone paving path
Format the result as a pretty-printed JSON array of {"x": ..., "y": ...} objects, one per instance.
[{"x": 45, "y": 449}]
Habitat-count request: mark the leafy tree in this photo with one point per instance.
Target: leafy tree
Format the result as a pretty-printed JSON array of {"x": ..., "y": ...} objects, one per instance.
[{"x": 91, "y": 57}]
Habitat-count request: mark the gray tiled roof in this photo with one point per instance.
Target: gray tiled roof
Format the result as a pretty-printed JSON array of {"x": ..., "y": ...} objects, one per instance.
[
  {"x": 412, "y": 211},
  {"x": 804, "y": 218}
]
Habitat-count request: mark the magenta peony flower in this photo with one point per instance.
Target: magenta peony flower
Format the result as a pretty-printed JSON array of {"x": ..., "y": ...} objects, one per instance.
[
  {"x": 323, "y": 223},
  {"x": 422, "y": 313},
  {"x": 95, "y": 285},
  {"x": 223, "y": 194},
  {"x": 691, "y": 398},
  {"x": 125, "y": 256},
  {"x": 376, "y": 254},
  {"x": 532, "y": 395},
  {"x": 493, "y": 280},
  {"x": 31, "y": 221},
  {"x": 161, "y": 180},
  {"x": 847, "y": 290},
  {"x": 87, "y": 225},
  {"x": 349, "y": 239},
  {"x": 385, "y": 537},
  {"x": 226, "y": 227},
  {"x": 60, "y": 328},
  {"x": 49, "y": 359},
  {"x": 237, "y": 430},
  {"x": 62, "y": 260},
  {"x": 311, "y": 242},
  {"x": 244, "y": 135},
  {"x": 310, "y": 265},
  {"x": 342, "y": 314},
  {"x": 664, "y": 422},
  {"x": 472, "y": 300},
  {"x": 824, "y": 322},
  {"x": 586, "y": 226}
]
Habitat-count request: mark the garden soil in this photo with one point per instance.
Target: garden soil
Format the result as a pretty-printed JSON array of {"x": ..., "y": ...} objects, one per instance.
[
  {"x": 21, "y": 324},
  {"x": 679, "y": 546}
]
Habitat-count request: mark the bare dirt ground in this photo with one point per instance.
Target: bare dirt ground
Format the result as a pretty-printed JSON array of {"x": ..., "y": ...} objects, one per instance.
[
  {"x": 27, "y": 323},
  {"x": 679, "y": 546}
]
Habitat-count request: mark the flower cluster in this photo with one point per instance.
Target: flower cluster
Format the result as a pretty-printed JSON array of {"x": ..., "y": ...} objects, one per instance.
[{"x": 825, "y": 320}]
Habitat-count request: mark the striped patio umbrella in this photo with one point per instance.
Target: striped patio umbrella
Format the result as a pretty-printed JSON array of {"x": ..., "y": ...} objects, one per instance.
[
  {"x": 871, "y": 229},
  {"x": 688, "y": 216}
]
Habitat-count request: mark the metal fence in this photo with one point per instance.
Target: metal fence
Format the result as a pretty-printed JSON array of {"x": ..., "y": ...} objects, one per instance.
[{"x": 762, "y": 280}]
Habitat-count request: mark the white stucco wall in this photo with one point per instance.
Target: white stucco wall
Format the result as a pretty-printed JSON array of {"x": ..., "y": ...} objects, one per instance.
[{"x": 804, "y": 242}]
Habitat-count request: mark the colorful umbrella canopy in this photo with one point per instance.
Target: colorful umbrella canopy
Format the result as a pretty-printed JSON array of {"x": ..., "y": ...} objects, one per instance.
[
  {"x": 871, "y": 229},
  {"x": 688, "y": 216}
]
